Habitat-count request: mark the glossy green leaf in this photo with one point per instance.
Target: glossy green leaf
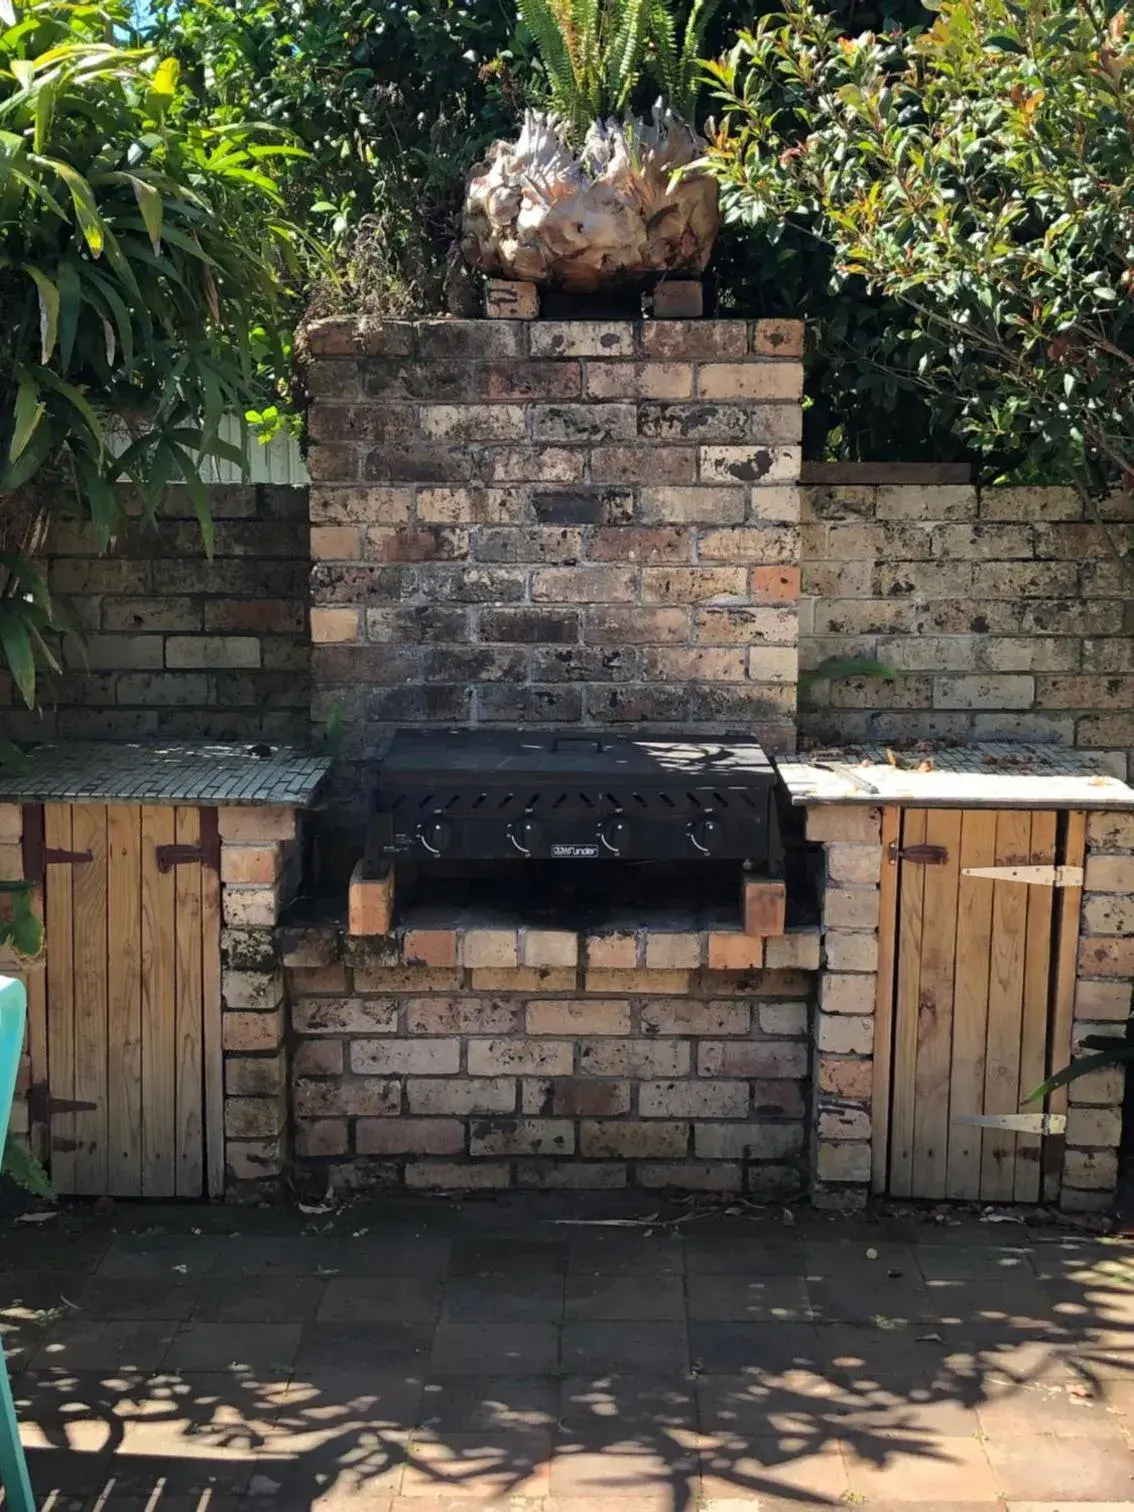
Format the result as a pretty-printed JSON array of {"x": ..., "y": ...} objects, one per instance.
[{"x": 28, "y": 412}]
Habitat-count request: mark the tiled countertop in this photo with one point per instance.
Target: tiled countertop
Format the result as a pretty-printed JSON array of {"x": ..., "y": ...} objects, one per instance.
[
  {"x": 976, "y": 776},
  {"x": 172, "y": 772}
]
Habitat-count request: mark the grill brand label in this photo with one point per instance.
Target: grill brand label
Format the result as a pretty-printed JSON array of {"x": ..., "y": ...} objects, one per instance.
[{"x": 574, "y": 852}]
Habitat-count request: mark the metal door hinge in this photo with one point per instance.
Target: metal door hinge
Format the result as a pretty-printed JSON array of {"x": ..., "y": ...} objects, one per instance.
[
  {"x": 1034, "y": 876},
  {"x": 1020, "y": 1123},
  {"x": 41, "y": 1104},
  {"x": 207, "y": 849},
  {"x": 920, "y": 855}
]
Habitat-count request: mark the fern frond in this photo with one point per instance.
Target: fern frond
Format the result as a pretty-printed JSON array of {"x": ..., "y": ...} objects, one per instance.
[
  {"x": 540, "y": 18},
  {"x": 626, "y": 55},
  {"x": 663, "y": 36},
  {"x": 684, "y": 99}
]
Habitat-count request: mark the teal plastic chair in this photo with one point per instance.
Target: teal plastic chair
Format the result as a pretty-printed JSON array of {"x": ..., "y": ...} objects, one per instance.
[{"x": 13, "y": 1466}]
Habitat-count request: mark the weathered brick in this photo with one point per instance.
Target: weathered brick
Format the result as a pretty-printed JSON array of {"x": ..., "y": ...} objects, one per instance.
[
  {"x": 524, "y": 979},
  {"x": 521, "y": 1136},
  {"x": 474, "y": 422},
  {"x": 692, "y": 585},
  {"x": 1109, "y": 913},
  {"x": 352, "y": 1015},
  {"x": 1107, "y": 957},
  {"x": 1091, "y": 1170},
  {"x": 661, "y": 982},
  {"x": 430, "y": 947},
  {"x": 853, "y": 825},
  {"x": 1110, "y": 832},
  {"x": 317, "y": 1058},
  {"x": 836, "y": 1124},
  {"x": 253, "y": 1117},
  {"x": 259, "y": 990},
  {"x": 251, "y": 863},
  {"x": 777, "y": 338},
  {"x": 321, "y": 1136},
  {"x": 519, "y": 1057},
  {"x": 603, "y": 626},
  {"x": 252, "y": 1031},
  {"x": 773, "y": 585},
  {"x": 632, "y": 1140},
  {"x": 673, "y": 952},
  {"x": 1102, "y": 1000},
  {"x": 846, "y": 1078},
  {"x": 734, "y": 951},
  {"x": 581, "y": 1016},
  {"x": 253, "y": 1159},
  {"x": 244, "y": 907},
  {"x": 1109, "y": 874},
  {"x": 490, "y": 947},
  {"x": 617, "y": 952},
  {"x": 771, "y": 1060},
  {"x": 690, "y": 1176},
  {"x": 570, "y": 1175},
  {"x": 461, "y": 1096},
  {"x": 446, "y": 1175},
  {"x": 687, "y": 1016},
  {"x": 367, "y": 1097},
  {"x": 255, "y": 1075},
  {"x": 261, "y": 823},
  {"x": 745, "y": 625},
  {"x": 691, "y": 506},
  {"x": 859, "y": 865},
  {"x": 575, "y": 1097},
  {"x": 843, "y": 1162},
  {"x": 549, "y": 947},
  {"x": 788, "y": 1018},
  {"x": 582, "y": 338},
  {"x": 633, "y": 1058},
  {"x": 845, "y": 1034},
  {"x": 416, "y": 1057},
  {"x": 665, "y": 466},
  {"x": 750, "y": 544},
  {"x": 585, "y": 585},
  {"x": 694, "y": 1099},
  {"x": 747, "y": 1141},
  {"x": 800, "y": 948},
  {"x": 584, "y": 422},
  {"x": 695, "y": 339},
  {"x": 1094, "y": 1127},
  {"x": 850, "y": 952},
  {"x": 330, "y": 979},
  {"x": 409, "y": 1136},
  {"x": 1098, "y": 1089}
]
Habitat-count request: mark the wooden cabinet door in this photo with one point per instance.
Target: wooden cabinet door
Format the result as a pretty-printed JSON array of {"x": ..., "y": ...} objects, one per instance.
[
  {"x": 132, "y": 929},
  {"x": 976, "y": 988}
]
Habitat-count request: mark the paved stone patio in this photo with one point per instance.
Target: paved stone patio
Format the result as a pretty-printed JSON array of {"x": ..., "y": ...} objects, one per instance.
[{"x": 425, "y": 1357}]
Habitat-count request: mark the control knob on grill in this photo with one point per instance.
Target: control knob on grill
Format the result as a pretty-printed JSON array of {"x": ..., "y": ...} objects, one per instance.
[
  {"x": 525, "y": 834},
  {"x": 704, "y": 835},
  {"x": 615, "y": 835},
  {"x": 436, "y": 835}
]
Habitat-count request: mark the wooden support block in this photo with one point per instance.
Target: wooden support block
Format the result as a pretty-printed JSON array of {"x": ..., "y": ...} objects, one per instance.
[
  {"x": 679, "y": 299},
  {"x": 508, "y": 299},
  {"x": 370, "y": 907},
  {"x": 763, "y": 908}
]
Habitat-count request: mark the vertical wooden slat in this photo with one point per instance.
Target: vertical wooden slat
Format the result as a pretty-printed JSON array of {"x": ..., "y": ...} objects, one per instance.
[
  {"x": 935, "y": 1007},
  {"x": 1067, "y": 908},
  {"x": 88, "y": 892},
  {"x": 60, "y": 992},
  {"x": 1005, "y": 1005},
  {"x": 190, "y": 1084},
  {"x": 124, "y": 999},
  {"x": 970, "y": 998},
  {"x": 884, "y": 1001},
  {"x": 212, "y": 1025},
  {"x": 1037, "y": 993},
  {"x": 159, "y": 1000},
  {"x": 911, "y": 885}
]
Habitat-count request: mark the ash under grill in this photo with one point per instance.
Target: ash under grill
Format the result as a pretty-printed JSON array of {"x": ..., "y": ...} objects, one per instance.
[{"x": 482, "y": 795}]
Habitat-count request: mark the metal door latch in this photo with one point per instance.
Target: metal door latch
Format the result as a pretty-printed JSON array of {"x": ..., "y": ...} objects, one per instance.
[{"x": 920, "y": 855}]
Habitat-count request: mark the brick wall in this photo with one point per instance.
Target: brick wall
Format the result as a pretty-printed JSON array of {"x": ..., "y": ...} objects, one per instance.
[
  {"x": 473, "y": 1077},
  {"x": 1000, "y": 610},
  {"x": 555, "y": 523},
  {"x": 178, "y": 645}
]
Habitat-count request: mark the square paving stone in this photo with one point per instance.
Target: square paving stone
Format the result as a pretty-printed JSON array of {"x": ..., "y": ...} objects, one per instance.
[
  {"x": 159, "y": 1257},
  {"x": 483, "y": 1404},
  {"x": 738, "y": 1348},
  {"x": 57, "y": 1475},
  {"x": 500, "y": 1348},
  {"x": 384, "y": 1346},
  {"x": 751, "y": 1299},
  {"x": 950, "y": 1262},
  {"x": 859, "y": 1299},
  {"x": 624, "y": 1298},
  {"x": 797, "y": 1467},
  {"x": 625, "y": 1348},
  {"x": 402, "y": 1251},
  {"x": 895, "y": 1359},
  {"x": 381, "y": 1299},
  {"x": 537, "y": 1298},
  {"x": 106, "y": 1299},
  {"x": 236, "y": 1346},
  {"x": 352, "y": 1398},
  {"x": 476, "y": 1466},
  {"x": 661, "y": 1475},
  {"x": 1034, "y": 1466},
  {"x": 607, "y": 1409},
  {"x": 757, "y": 1405},
  {"x": 1012, "y": 1305},
  {"x": 626, "y": 1252},
  {"x": 83, "y": 1345},
  {"x": 1067, "y": 1410},
  {"x": 260, "y": 1299},
  {"x": 952, "y": 1469},
  {"x": 748, "y": 1252},
  {"x": 508, "y": 1257},
  {"x": 277, "y": 1255}
]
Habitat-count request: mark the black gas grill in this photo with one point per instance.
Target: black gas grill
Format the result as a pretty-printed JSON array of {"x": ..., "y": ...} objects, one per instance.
[{"x": 486, "y": 795}]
